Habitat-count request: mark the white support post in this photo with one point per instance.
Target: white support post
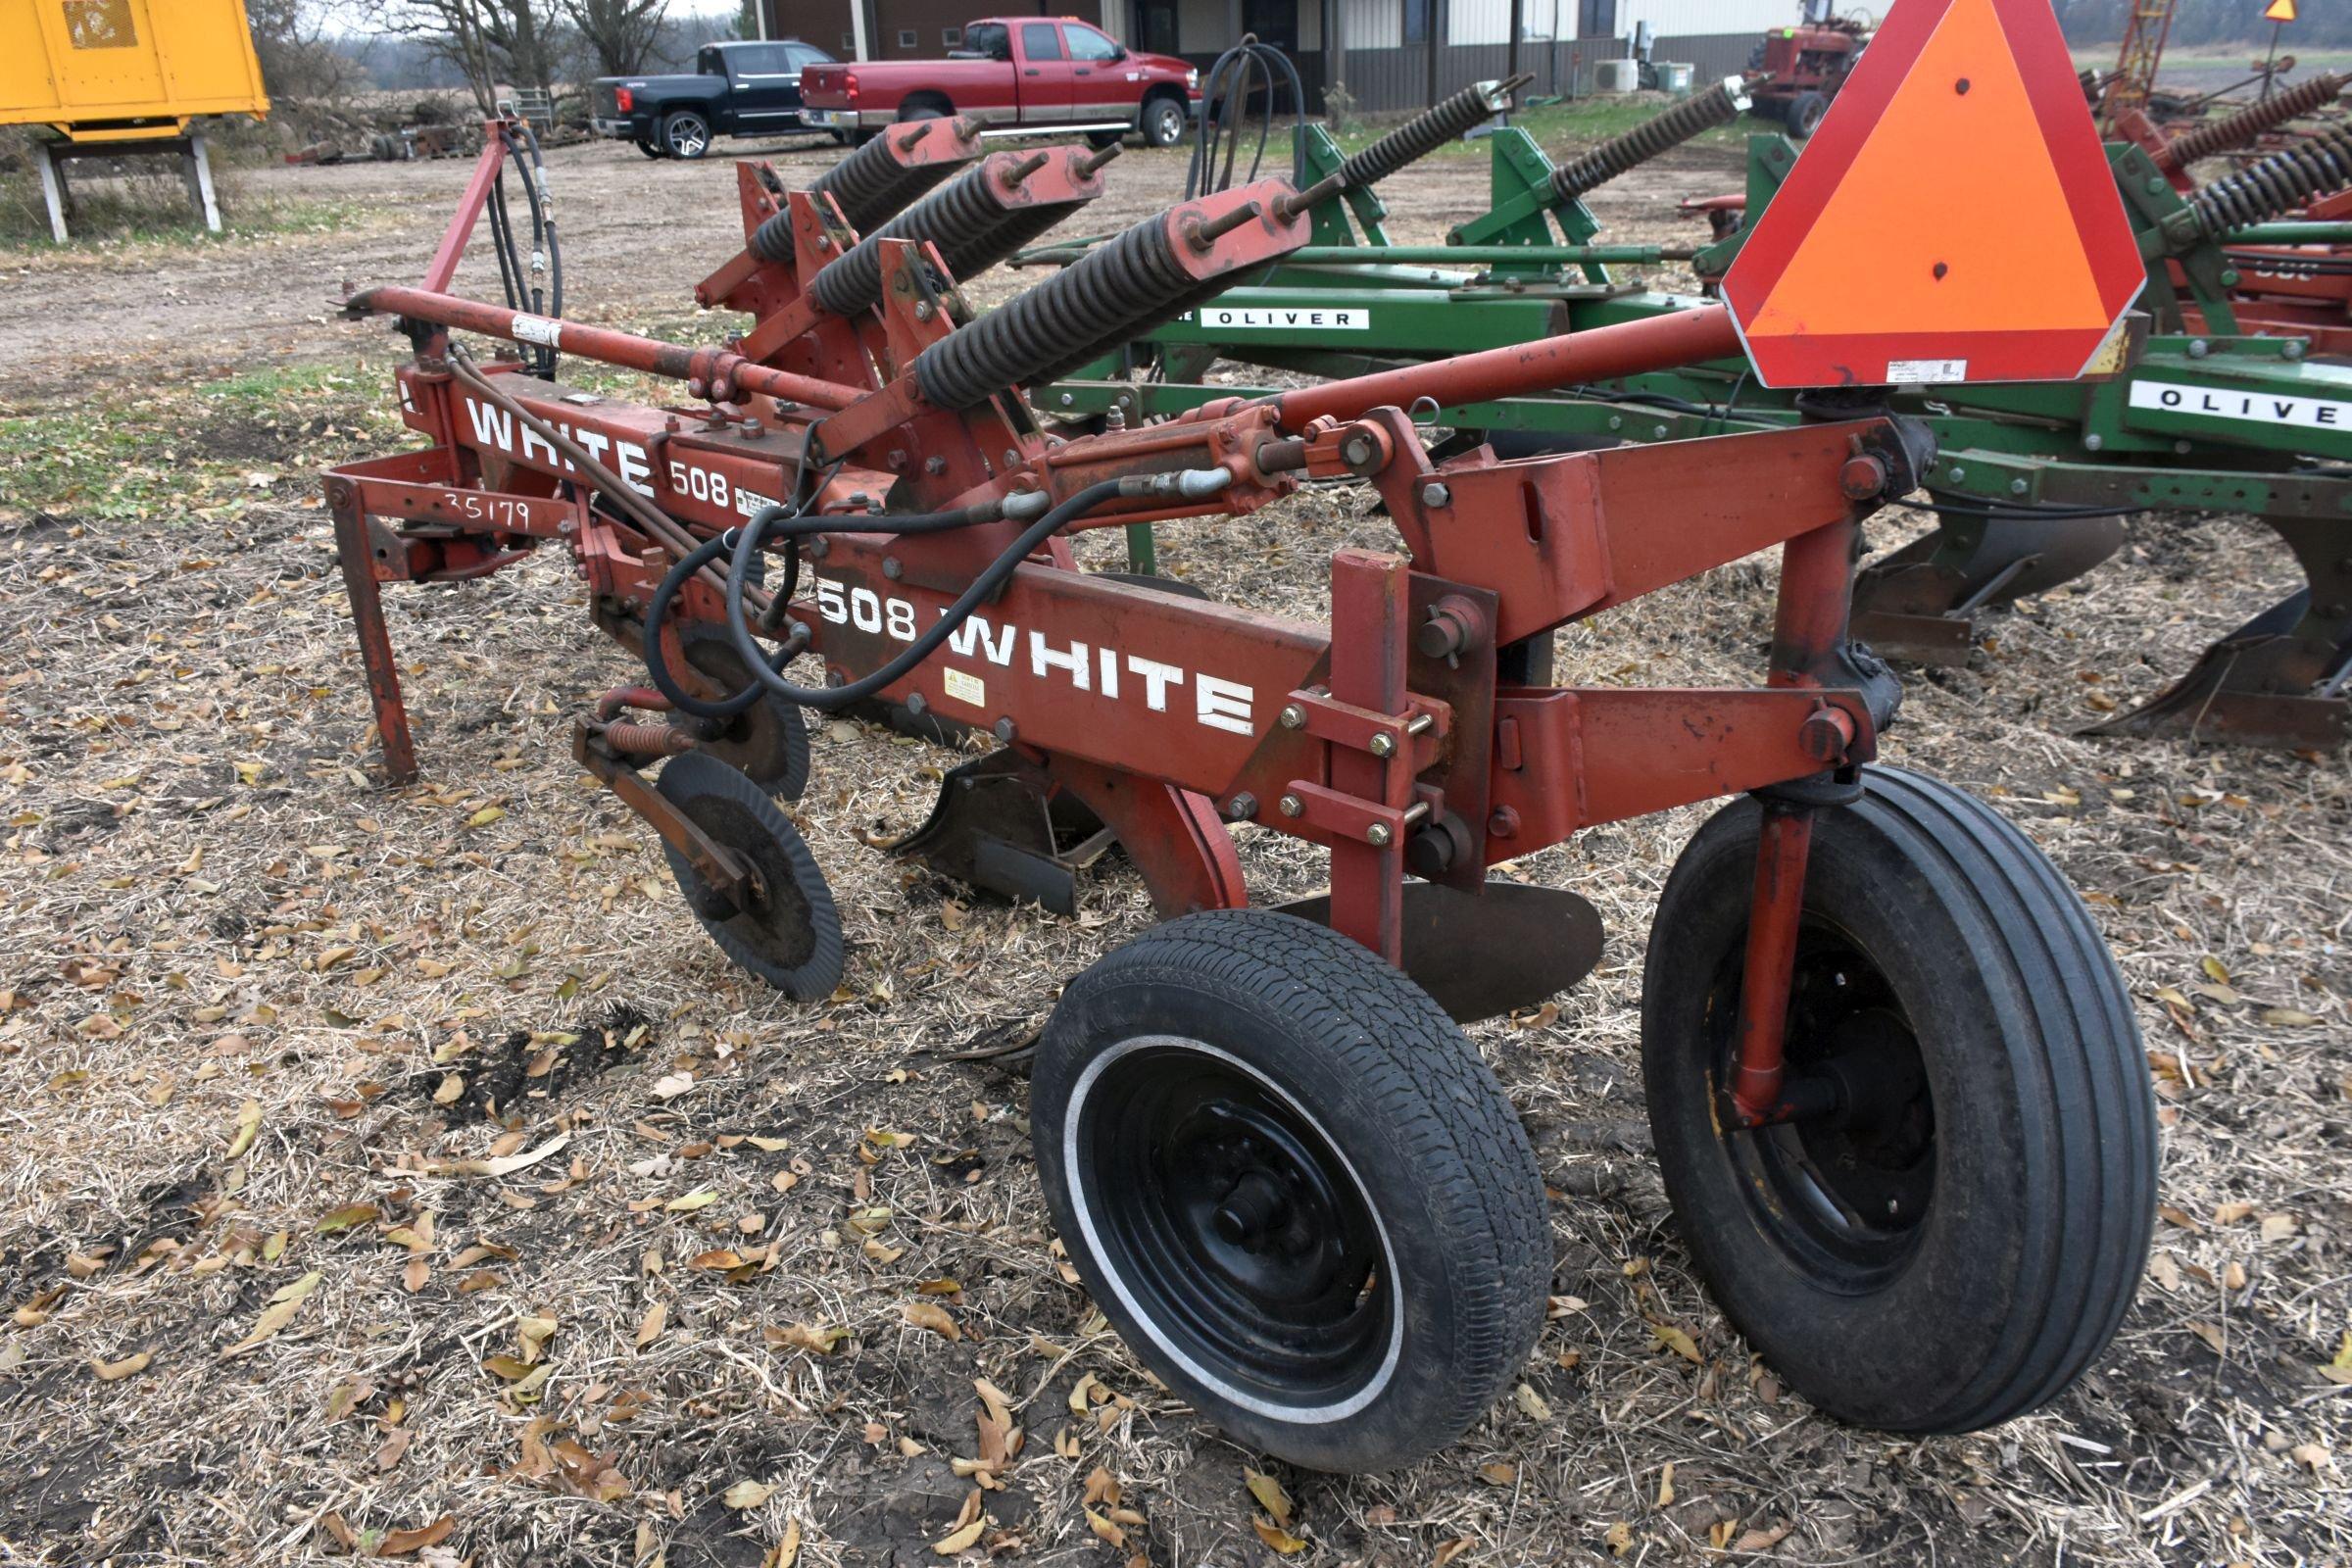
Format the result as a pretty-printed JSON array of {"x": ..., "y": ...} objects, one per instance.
[
  {"x": 53, "y": 189},
  {"x": 197, "y": 164}
]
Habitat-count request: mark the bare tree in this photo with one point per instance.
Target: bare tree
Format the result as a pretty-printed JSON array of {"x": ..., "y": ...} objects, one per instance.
[
  {"x": 491, "y": 41},
  {"x": 296, "y": 60},
  {"x": 620, "y": 35}
]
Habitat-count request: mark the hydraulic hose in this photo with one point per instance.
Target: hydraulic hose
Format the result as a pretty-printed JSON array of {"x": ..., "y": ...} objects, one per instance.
[{"x": 831, "y": 699}]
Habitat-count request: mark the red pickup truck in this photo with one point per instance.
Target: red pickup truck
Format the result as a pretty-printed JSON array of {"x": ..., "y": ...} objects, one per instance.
[{"x": 1036, "y": 72}]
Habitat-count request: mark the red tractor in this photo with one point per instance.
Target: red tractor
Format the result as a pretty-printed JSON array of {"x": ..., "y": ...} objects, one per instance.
[{"x": 1807, "y": 64}]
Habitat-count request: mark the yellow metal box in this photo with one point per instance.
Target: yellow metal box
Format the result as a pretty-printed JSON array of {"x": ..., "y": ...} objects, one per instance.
[{"x": 125, "y": 70}]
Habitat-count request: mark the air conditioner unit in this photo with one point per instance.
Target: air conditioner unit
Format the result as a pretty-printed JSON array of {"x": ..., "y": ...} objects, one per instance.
[{"x": 1616, "y": 75}]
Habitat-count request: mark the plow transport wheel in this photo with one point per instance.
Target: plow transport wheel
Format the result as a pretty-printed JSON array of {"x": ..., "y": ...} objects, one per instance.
[
  {"x": 1295, "y": 1188},
  {"x": 1955, "y": 1240},
  {"x": 790, "y": 935}
]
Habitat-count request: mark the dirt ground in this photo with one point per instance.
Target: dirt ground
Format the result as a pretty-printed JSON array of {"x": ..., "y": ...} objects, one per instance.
[{"x": 403, "y": 1171}]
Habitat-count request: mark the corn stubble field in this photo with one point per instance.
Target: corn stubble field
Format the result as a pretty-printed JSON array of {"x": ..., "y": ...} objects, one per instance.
[{"x": 402, "y": 1172}]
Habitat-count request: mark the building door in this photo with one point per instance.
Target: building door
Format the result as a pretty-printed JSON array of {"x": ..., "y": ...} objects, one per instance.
[{"x": 1156, "y": 26}]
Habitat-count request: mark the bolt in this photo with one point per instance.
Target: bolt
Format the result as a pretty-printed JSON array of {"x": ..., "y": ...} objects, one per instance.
[
  {"x": 1005, "y": 730},
  {"x": 2093, "y": 442},
  {"x": 1293, "y": 716},
  {"x": 935, "y": 465},
  {"x": 1290, "y": 806},
  {"x": 817, "y": 548},
  {"x": 1067, "y": 399},
  {"x": 1941, "y": 271},
  {"x": 916, "y": 704},
  {"x": 1382, "y": 745},
  {"x": 1863, "y": 478},
  {"x": 1378, "y": 835},
  {"x": 1961, "y": 87},
  {"x": 1024, "y": 169},
  {"x": 1434, "y": 494},
  {"x": 1616, "y": 421},
  {"x": 1012, "y": 459},
  {"x": 924, "y": 310},
  {"x": 2291, "y": 349},
  {"x": 1959, "y": 474},
  {"x": 2198, "y": 348},
  {"x": 2229, "y": 278},
  {"x": 835, "y": 676},
  {"x": 892, "y": 568},
  {"x": 1242, "y": 808},
  {"x": 2017, "y": 487},
  {"x": 1504, "y": 823},
  {"x": 1658, "y": 431},
  {"x": 1825, "y": 736},
  {"x": 824, "y": 242},
  {"x": 2183, "y": 449},
  {"x": 1358, "y": 450}
]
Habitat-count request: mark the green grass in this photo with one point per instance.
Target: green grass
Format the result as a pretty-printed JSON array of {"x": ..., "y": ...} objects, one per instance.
[
  {"x": 207, "y": 450},
  {"x": 149, "y": 209},
  {"x": 1567, "y": 125}
]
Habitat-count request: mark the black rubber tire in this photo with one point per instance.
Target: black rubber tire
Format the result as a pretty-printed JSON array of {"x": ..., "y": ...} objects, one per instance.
[
  {"x": 1435, "y": 1151},
  {"x": 2035, "y": 1230},
  {"x": 650, "y": 150},
  {"x": 802, "y": 954},
  {"x": 685, "y": 135},
  {"x": 1804, "y": 114},
  {"x": 908, "y": 112},
  {"x": 1162, "y": 122}
]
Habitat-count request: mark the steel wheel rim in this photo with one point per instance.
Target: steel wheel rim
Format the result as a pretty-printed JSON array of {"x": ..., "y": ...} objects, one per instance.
[
  {"x": 1847, "y": 1199},
  {"x": 1156, "y": 1152},
  {"x": 782, "y": 927},
  {"x": 687, "y": 138}
]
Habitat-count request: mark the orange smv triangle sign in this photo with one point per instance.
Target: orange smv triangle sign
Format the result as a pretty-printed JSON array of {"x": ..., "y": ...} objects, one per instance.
[
  {"x": 1952, "y": 219},
  {"x": 2280, "y": 11}
]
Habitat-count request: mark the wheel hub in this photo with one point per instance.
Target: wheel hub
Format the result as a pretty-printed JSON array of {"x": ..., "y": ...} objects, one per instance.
[{"x": 1238, "y": 1223}]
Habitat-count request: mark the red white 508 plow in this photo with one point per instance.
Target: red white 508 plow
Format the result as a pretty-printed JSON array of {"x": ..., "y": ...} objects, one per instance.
[{"x": 1892, "y": 1072}]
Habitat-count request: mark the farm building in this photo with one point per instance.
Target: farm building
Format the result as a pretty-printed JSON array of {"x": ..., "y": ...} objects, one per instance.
[{"x": 1389, "y": 54}]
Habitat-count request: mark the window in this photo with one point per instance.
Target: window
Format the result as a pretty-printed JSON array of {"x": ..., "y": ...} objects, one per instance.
[
  {"x": 1088, "y": 44},
  {"x": 951, "y": 37},
  {"x": 100, "y": 23},
  {"x": 989, "y": 39},
  {"x": 1041, "y": 40},
  {"x": 708, "y": 64},
  {"x": 805, "y": 55},
  {"x": 909, "y": 40},
  {"x": 760, "y": 60},
  {"x": 849, "y": 43}
]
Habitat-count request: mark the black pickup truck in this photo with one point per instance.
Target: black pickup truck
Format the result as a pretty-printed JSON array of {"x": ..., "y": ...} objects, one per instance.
[{"x": 737, "y": 89}]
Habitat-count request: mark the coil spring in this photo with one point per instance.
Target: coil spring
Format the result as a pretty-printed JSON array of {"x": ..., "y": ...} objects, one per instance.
[
  {"x": 1421, "y": 135},
  {"x": 1605, "y": 163},
  {"x": 957, "y": 217},
  {"x": 2261, "y": 191},
  {"x": 869, "y": 185},
  {"x": 2240, "y": 128},
  {"x": 1101, "y": 300}
]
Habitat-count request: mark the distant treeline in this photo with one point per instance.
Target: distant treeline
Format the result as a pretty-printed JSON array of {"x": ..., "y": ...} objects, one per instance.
[
  {"x": 405, "y": 65},
  {"x": 2323, "y": 24}
]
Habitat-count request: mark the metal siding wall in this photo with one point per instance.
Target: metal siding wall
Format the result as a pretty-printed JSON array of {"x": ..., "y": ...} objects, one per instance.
[{"x": 1715, "y": 56}]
